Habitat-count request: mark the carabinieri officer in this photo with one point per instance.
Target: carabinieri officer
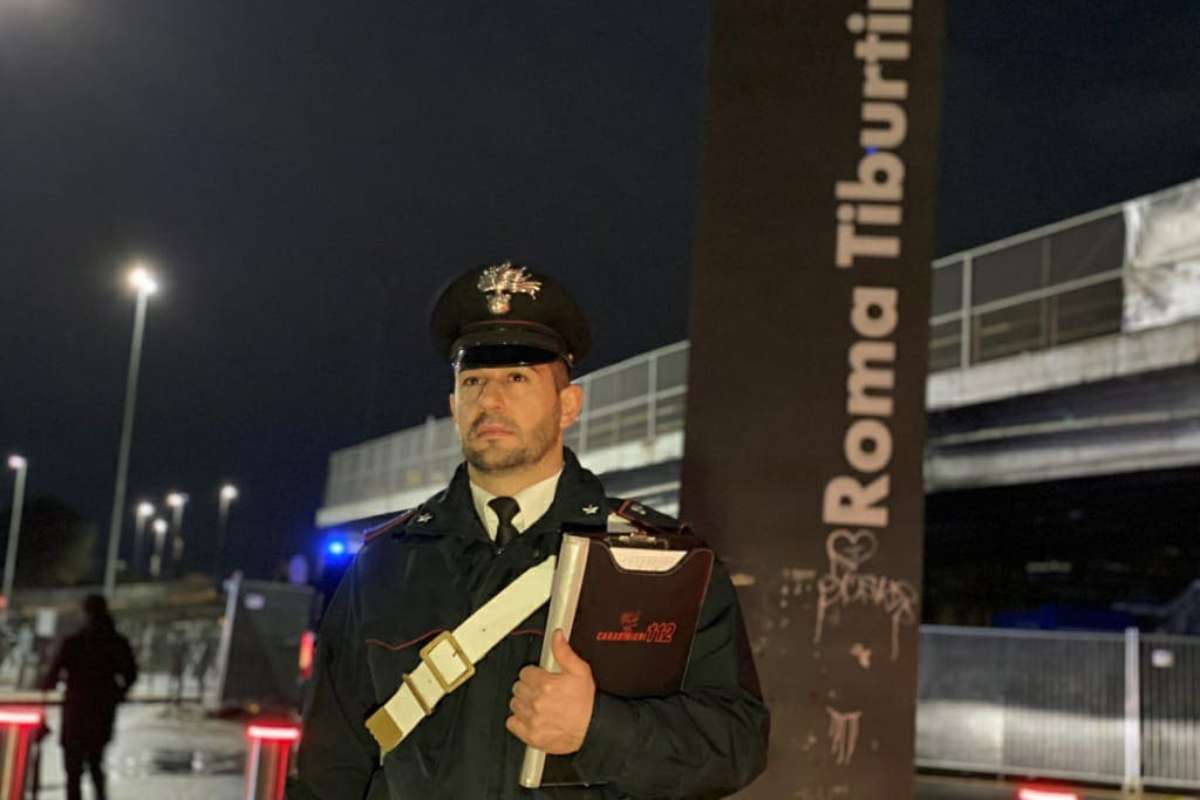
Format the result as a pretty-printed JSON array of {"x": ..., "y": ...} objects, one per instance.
[{"x": 387, "y": 722}]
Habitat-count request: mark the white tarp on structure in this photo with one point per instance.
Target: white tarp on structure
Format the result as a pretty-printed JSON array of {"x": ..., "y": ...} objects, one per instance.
[{"x": 1162, "y": 258}]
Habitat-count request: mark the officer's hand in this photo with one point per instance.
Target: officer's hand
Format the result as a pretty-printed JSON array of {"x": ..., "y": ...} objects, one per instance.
[{"x": 551, "y": 711}]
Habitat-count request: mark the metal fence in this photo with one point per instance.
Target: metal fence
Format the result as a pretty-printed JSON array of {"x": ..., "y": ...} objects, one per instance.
[
  {"x": 1040, "y": 289},
  {"x": 1169, "y": 667},
  {"x": 1108, "y": 708}
]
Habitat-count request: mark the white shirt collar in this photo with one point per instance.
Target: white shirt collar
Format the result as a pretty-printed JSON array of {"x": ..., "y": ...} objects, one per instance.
[{"x": 534, "y": 501}]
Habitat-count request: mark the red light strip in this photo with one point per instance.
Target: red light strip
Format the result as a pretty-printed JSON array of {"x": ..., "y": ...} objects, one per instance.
[
  {"x": 14, "y": 717},
  {"x": 1027, "y": 793},
  {"x": 308, "y": 641},
  {"x": 274, "y": 733}
]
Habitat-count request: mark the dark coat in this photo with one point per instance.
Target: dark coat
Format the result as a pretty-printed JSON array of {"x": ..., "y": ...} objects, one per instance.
[
  {"x": 100, "y": 669},
  {"x": 430, "y": 573}
]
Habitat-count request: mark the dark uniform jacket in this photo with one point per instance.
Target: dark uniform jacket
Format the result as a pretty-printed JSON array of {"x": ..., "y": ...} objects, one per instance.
[{"x": 428, "y": 573}]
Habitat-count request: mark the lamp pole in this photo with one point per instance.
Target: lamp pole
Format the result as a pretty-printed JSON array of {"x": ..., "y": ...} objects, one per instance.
[
  {"x": 20, "y": 466},
  {"x": 144, "y": 512},
  {"x": 160, "y": 539},
  {"x": 144, "y": 283},
  {"x": 177, "y": 501},
  {"x": 229, "y": 493}
]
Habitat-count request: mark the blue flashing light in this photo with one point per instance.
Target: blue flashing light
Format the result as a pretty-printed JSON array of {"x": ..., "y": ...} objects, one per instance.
[{"x": 336, "y": 548}]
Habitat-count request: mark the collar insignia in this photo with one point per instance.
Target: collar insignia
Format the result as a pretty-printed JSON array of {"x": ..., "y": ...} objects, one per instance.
[
  {"x": 504, "y": 280},
  {"x": 424, "y": 518},
  {"x": 590, "y": 509}
]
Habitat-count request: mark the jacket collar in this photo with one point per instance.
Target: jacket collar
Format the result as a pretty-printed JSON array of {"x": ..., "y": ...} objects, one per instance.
[{"x": 579, "y": 502}]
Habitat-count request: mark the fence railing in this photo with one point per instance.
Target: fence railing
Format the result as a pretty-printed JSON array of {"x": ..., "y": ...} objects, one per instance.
[
  {"x": 1044, "y": 288},
  {"x": 1106, "y": 708},
  {"x": 1041, "y": 289},
  {"x": 1052, "y": 286}
]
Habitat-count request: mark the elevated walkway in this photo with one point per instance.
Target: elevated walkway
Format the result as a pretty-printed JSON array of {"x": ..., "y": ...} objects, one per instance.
[{"x": 1064, "y": 351}]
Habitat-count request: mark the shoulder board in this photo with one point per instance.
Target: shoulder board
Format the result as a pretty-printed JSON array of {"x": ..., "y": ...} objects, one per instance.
[
  {"x": 643, "y": 516},
  {"x": 371, "y": 534}
]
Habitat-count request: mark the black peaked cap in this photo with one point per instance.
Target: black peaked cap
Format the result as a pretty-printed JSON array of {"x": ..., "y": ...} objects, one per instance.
[{"x": 507, "y": 314}]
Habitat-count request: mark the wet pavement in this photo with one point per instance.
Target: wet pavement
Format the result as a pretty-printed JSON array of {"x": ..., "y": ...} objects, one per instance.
[
  {"x": 179, "y": 753},
  {"x": 937, "y": 787},
  {"x": 161, "y": 751}
]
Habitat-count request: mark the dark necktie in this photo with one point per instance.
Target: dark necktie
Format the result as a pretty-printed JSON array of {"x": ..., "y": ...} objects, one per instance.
[{"x": 506, "y": 508}]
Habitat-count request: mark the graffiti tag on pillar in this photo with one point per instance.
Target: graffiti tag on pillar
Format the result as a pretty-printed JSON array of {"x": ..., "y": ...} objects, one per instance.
[{"x": 844, "y": 585}]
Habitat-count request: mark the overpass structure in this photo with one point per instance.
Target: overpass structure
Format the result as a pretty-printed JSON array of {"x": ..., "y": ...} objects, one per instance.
[{"x": 1066, "y": 351}]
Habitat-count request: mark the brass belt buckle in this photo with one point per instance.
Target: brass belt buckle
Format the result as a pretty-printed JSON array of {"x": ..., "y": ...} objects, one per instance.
[{"x": 448, "y": 637}]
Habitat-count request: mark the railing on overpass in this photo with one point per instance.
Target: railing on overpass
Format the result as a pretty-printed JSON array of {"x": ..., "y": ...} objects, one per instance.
[
  {"x": 1099, "y": 707},
  {"x": 1044, "y": 288},
  {"x": 1052, "y": 286}
]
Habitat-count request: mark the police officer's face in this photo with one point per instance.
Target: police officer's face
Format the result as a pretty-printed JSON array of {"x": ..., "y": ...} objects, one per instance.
[{"x": 512, "y": 417}]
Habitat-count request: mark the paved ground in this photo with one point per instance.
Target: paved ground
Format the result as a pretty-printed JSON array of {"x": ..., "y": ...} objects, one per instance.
[
  {"x": 162, "y": 751},
  {"x": 931, "y": 787},
  {"x": 178, "y": 753}
]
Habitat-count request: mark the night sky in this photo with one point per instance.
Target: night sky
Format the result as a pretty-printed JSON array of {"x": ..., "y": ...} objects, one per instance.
[{"x": 304, "y": 175}]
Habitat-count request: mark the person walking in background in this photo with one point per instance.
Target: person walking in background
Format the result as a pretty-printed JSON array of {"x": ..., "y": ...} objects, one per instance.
[
  {"x": 203, "y": 663},
  {"x": 99, "y": 668}
]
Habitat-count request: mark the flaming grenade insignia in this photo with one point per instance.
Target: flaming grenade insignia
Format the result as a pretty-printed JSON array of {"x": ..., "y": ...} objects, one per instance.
[{"x": 502, "y": 281}]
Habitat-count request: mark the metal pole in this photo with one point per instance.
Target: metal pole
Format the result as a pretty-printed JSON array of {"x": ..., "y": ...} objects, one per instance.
[
  {"x": 14, "y": 533},
  {"x": 118, "y": 508},
  {"x": 177, "y": 536},
  {"x": 139, "y": 536},
  {"x": 222, "y": 522},
  {"x": 233, "y": 590},
  {"x": 1133, "y": 712},
  {"x": 156, "y": 560},
  {"x": 965, "y": 350}
]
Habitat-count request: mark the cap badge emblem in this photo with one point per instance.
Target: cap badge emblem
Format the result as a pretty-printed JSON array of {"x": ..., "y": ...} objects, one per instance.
[{"x": 502, "y": 281}]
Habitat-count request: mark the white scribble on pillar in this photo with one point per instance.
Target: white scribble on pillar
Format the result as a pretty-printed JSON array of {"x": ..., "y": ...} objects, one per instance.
[
  {"x": 843, "y": 734},
  {"x": 844, "y": 585}
]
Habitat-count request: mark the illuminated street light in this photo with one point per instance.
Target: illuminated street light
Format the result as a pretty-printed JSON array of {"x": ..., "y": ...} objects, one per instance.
[
  {"x": 160, "y": 528},
  {"x": 144, "y": 512},
  {"x": 144, "y": 283},
  {"x": 19, "y": 465},
  {"x": 229, "y": 493},
  {"x": 177, "y": 501}
]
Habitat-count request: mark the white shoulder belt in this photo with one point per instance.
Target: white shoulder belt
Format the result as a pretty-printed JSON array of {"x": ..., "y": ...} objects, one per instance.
[{"x": 449, "y": 659}]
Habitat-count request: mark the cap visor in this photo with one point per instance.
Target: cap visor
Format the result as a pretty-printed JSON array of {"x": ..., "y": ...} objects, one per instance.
[{"x": 502, "y": 355}]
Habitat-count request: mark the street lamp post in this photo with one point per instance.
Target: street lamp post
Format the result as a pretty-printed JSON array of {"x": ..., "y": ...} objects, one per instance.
[
  {"x": 177, "y": 501},
  {"x": 229, "y": 493},
  {"x": 141, "y": 280},
  {"x": 20, "y": 466},
  {"x": 160, "y": 539},
  {"x": 144, "y": 512}
]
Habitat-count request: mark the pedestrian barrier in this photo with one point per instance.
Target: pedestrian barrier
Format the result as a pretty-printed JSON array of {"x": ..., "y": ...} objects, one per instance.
[
  {"x": 1107, "y": 708},
  {"x": 20, "y": 732},
  {"x": 269, "y": 758}
]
